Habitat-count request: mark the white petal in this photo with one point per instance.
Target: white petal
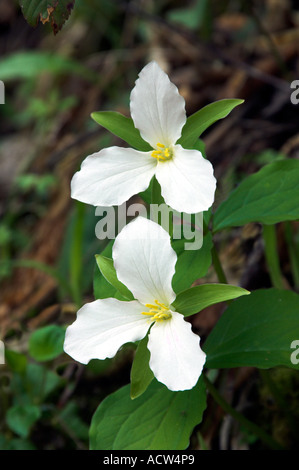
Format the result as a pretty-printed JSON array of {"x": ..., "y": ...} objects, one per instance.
[
  {"x": 157, "y": 108},
  {"x": 111, "y": 176},
  {"x": 176, "y": 358},
  {"x": 102, "y": 327},
  {"x": 145, "y": 261},
  {"x": 187, "y": 181}
]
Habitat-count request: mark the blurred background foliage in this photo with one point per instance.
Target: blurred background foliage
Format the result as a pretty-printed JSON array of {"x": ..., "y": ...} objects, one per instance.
[{"x": 53, "y": 82}]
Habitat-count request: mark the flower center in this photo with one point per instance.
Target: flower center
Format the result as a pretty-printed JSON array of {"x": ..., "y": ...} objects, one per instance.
[
  {"x": 162, "y": 154},
  {"x": 158, "y": 311}
]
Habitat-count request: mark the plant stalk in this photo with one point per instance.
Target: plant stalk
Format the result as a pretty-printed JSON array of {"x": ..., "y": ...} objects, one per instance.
[
  {"x": 218, "y": 266},
  {"x": 76, "y": 254},
  {"x": 293, "y": 253},
  {"x": 249, "y": 425},
  {"x": 272, "y": 256}
]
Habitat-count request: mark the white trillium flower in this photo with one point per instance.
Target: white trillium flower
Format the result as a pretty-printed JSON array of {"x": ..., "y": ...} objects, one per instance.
[
  {"x": 110, "y": 177},
  {"x": 145, "y": 262}
]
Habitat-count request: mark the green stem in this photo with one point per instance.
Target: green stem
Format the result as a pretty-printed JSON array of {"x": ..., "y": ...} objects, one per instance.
[
  {"x": 218, "y": 266},
  {"x": 293, "y": 253},
  {"x": 272, "y": 46},
  {"x": 280, "y": 400},
  {"x": 4, "y": 398},
  {"x": 157, "y": 199},
  {"x": 272, "y": 257},
  {"x": 249, "y": 425}
]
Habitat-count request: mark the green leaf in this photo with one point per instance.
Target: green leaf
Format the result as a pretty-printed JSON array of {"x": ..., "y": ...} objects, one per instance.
[
  {"x": 47, "y": 11},
  {"x": 121, "y": 126},
  {"x": 141, "y": 374},
  {"x": 30, "y": 64},
  {"x": 102, "y": 289},
  {"x": 191, "y": 264},
  {"x": 70, "y": 415},
  {"x": 40, "y": 382},
  {"x": 156, "y": 195},
  {"x": 16, "y": 361},
  {"x": 194, "y": 16},
  {"x": 6, "y": 443},
  {"x": 200, "y": 146},
  {"x": 269, "y": 196},
  {"x": 20, "y": 418},
  {"x": 46, "y": 343},
  {"x": 147, "y": 194},
  {"x": 197, "y": 298},
  {"x": 107, "y": 269},
  {"x": 35, "y": 384},
  {"x": 256, "y": 331},
  {"x": 198, "y": 122},
  {"x": 157, "y": 420}
]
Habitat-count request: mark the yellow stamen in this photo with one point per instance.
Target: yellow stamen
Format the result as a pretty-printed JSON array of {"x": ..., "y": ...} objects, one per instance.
[
  {"x": 158, "y": 312},
  {"x": 163, "y": 153}
]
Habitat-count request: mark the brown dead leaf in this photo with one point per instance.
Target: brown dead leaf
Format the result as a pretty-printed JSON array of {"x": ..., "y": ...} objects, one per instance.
[{"x": 47, "y": 19}]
